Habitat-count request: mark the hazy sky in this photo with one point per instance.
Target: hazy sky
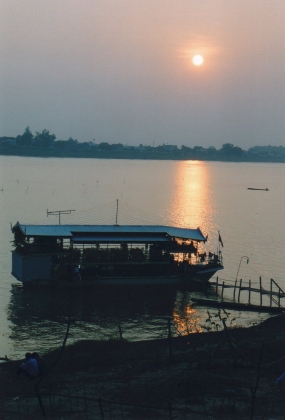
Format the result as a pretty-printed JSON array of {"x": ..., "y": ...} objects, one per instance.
[{"x": 122, "y": 71}]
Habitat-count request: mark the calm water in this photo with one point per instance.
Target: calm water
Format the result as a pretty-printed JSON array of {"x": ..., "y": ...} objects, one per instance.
[{"x": 211, "y": 195}]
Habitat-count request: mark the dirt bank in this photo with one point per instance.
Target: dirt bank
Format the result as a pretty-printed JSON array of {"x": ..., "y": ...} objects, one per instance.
[{"x": 215, "y": 373}]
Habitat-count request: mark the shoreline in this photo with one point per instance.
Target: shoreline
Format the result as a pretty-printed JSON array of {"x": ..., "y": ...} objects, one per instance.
[{"x": 87, "y": 154}]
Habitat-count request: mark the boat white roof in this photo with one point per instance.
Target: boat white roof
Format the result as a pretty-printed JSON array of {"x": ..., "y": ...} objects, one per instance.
[{"x": 75, "y": 231}]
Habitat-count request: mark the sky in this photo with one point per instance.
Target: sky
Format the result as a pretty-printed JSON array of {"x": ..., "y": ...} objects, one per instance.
[{"x": 121, "y": 71}]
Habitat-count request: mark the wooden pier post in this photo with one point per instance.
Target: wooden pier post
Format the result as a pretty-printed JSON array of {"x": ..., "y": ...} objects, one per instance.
[
  {"x": 249, "y": 290},
  {"x": 280, "y": 292},
  {"x": 223, "y": 291},
  {"x": 260, "y": 288},
  {"x": 271, "y": 281},
  {"x": 240, "y": 283},
  {"x": 234, "y": 297},
  {"x": 217, "y": 283}
]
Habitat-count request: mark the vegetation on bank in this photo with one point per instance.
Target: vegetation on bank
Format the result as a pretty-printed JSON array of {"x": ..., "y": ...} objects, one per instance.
[{"x": 45, "y": 144}]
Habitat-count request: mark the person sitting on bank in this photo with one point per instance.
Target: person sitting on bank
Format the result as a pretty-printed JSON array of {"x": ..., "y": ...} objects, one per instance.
[
  {"x": 29, "y": 368},
  {"x": 42, "y": 365}
]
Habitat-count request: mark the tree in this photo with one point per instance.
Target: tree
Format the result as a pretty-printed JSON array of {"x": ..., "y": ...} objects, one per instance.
[
  {"x": 104, "y": 146},
  {"x": 26, "y": 139},
  {"x": 60, "y": 144},
  {"x": 44, "y": 139},
  {"x": 185, "y": 149},
  {"x": 212, "y": 150},
  {"x": 228, "y": 149},
  {"x": 71, "y": 143},
  {"x": 116, "y": 146}
]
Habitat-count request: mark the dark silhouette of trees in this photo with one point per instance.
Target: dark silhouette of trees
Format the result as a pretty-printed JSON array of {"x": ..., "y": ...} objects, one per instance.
[
  {"x": 26, "y": 139},
  {"x": 116, "y": 146},
  {"x": 229, "y": 150},
  {"x": 45, "y": 144},
  {"x": 71, "y": 143},
  {"x": 104, "y": 146},
  {"x": 44, "y": 139},
  {"x": 60, "y": 144}
]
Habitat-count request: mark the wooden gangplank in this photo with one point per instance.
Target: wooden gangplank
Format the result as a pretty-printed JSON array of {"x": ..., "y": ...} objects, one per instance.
[
  {"x": 248, "y": 288},
  {"x": 237, "y": 306},
  {"x": 274, "y": 296}
]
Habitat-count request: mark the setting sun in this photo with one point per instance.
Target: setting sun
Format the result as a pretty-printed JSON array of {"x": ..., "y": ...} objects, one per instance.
[{"x": 197, "y": 60}]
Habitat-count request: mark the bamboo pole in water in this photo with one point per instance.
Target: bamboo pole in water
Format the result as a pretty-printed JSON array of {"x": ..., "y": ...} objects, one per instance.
[
  {"x": 249, "y": 288},
  {"x": 260, "y": 288},
  {"x": 234, "y": 297},
  {"x": 223, "y": 290},
  {"x": 240, "y": 283}
]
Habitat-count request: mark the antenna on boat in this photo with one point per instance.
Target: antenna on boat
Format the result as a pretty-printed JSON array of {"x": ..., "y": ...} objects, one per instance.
[
  {"x": 117, "y": 212},
  {"x": 59, "y": 212}
]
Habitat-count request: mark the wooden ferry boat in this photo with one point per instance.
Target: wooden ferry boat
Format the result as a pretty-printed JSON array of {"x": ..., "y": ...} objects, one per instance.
[{"x": 111, "y": 254}]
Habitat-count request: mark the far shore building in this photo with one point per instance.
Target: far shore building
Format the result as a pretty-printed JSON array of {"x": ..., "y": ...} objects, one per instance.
[{"x": 11, "y": 141}]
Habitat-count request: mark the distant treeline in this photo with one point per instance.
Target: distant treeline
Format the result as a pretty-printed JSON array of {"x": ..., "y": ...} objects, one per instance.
[{"x": 45, "y": 144}]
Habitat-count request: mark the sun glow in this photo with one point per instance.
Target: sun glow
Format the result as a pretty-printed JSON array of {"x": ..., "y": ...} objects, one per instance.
[{"x": 197, "y": 60}]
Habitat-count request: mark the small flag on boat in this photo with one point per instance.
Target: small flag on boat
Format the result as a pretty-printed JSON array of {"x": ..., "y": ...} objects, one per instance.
[{"x": 220, "y": 240}]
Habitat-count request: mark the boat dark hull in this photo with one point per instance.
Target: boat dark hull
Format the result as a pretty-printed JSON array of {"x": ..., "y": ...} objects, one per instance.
[
  {"x": 196, "y": 278},
  {"x": 40, "y": 271}
]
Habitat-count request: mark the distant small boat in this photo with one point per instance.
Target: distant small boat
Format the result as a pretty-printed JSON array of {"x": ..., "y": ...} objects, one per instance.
[{"x": 259, "y": 189}]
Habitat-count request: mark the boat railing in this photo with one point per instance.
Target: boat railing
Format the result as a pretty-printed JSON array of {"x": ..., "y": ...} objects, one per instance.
[
  {"x": 210, "y": 258},
  {"x": 80, "y": 253}
]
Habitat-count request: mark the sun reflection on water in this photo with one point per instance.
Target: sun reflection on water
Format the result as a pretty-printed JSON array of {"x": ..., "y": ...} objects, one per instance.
[
  {"x": 185, "y": 318},
  {"x": 192, "y": 204},
  {"x": 187, "y": 324}
]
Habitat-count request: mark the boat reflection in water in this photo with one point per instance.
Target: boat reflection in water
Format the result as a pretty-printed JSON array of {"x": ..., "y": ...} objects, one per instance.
[{"x": 38, "y": 320}]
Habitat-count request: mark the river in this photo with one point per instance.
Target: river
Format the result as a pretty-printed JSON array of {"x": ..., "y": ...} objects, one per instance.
[{"x": 211, "y": 195}]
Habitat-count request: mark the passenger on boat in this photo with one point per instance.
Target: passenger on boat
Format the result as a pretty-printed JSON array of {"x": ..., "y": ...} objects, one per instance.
[{"x": 29, "y": 368}]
